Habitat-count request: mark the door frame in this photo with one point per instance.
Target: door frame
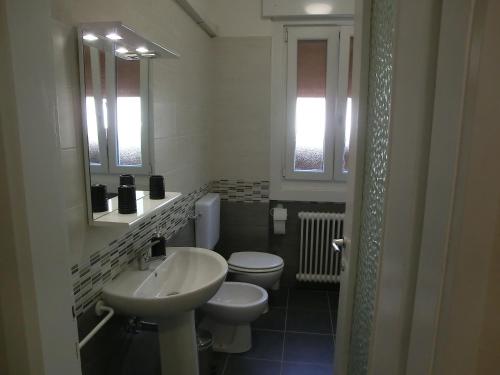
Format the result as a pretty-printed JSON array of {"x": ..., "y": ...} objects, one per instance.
[
  {"x": 415, "y": 51},
  {"x": 354, "y": 190}
]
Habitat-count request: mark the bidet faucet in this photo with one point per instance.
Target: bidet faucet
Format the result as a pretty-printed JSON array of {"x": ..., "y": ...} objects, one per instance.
[{"x": 144, "y": 256}]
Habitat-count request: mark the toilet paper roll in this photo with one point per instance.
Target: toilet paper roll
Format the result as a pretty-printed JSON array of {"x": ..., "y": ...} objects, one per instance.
[
  {"x": 279, "y": 213},
  {"x": 279, "y": 226}
]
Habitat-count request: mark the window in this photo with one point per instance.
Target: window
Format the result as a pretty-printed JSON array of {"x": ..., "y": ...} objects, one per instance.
[
  {"x": 116, "y": 100},
  {"x": 317, "y": 102}
]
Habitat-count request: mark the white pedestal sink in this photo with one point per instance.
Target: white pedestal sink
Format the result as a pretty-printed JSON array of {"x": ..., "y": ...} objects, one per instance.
[{"x": 167, "y": 293}]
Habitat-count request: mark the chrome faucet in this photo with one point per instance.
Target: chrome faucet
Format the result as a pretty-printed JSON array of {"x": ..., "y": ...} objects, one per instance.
[{"x": 144, "y": 256}]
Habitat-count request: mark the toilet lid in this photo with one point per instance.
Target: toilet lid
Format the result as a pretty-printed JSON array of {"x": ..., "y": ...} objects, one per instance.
[{"x": 253, "y": 260}]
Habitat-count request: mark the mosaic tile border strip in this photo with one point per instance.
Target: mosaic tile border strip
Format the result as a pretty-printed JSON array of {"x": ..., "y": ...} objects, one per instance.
[
  {"x": 242, "y": 191},
  {"x": 89, "y": 277}
]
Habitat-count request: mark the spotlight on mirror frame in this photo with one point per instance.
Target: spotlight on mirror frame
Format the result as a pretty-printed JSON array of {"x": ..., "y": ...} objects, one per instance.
[
  {"x": 113, "y": 36},
  {"x": 90, "y": 37},
  {"x": 121, "y": 50}
]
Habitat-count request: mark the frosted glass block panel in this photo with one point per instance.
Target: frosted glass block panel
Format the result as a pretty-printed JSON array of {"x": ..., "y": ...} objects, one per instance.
[
  {"x": 310, "y": 134},
  {"x": 310, "y": 107},
  {"x": 376, "y": 166},
  {"x": 128, "y": 121},
  {"x": 128, "y": 113}
]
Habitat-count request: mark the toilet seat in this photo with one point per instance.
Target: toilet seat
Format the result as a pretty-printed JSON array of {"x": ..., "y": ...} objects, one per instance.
[
  {"x": 254, "y": 270},
  {"x": 255, "y": 262}
]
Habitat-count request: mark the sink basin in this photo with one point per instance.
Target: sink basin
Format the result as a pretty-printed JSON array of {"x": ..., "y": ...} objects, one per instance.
[
  {"x": 185, "y": 280},
  {"x": 167, "y": 293}
]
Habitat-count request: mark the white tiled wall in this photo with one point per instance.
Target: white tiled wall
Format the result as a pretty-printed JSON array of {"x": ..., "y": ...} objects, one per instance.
[
  {"x": 180, "y": 94},
  {"x": 241, "y": 108}
]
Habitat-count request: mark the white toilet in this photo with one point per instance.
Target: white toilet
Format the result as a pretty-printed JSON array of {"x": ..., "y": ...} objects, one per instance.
[
  {"x": 262, "y": 269},
  {"x": 229, "y": 314},
  {"x": 237, "y": 304}
]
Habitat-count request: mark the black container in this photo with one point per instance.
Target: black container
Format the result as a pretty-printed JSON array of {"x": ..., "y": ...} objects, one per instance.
[
  {"x": 127, "y": 179},
  {"x": 98, "y": 196},
  {"x": 127, "y": 203},
  {"x": 156, "y": 187},
  {"x": 158, "y": 249}
]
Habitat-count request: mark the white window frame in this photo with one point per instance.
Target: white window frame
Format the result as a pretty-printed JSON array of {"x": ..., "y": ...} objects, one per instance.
[
  {"x": 342, "y": 94},
  {"x": 108, "y": 143},
  {"x": 95, "y": 68},
  {"x": 282, "y": 188},
  {"x": 332, "y": 35}
]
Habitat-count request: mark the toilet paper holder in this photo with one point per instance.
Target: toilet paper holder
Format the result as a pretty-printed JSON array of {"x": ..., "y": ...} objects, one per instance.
[{"x": 279, "y": 215}]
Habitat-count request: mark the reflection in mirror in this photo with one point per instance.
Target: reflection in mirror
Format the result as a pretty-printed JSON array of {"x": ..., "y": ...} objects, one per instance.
[
  {"x": 115, "y": 113},
  {"x": 129, "y": 117},
  {"x": 95, "y": 92}
]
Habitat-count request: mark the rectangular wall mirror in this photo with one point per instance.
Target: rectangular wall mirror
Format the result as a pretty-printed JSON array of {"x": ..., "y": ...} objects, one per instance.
[{"x": 114, "y": 80}]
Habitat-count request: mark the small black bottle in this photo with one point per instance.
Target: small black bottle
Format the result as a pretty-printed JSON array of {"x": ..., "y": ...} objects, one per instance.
[
  {"x": 98, "y": 197},
  {"x": 127, "y": 179},
  {"x": 156, "y": 187},
  {"x": 127, "y": 202}
]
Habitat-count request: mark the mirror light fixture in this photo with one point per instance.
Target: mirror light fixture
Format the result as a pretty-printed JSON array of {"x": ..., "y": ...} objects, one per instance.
[{"x": 123, "y": 41}]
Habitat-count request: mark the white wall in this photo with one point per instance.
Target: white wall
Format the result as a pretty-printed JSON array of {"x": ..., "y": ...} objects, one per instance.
[
  {"x": 35, "y": 288},
  {"x": 241, "y": 100},
  {"x": 241, "y": 84},
  {"x": 180, "y": 101},
  {"x": 239, "y": 18}
]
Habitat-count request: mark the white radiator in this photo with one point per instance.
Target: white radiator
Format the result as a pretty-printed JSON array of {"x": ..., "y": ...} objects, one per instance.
[{"x": 318, "y": 262}]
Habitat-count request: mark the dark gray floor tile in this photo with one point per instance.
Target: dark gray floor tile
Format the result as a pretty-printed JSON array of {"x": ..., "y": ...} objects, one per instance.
[
  {"x": 265, "y": 345},
  {"x": 314, "y": 321},
  {"x": 310, "y": 348},
  {"x": 333, "y": 299},
  {"x": 334, "y": 320},
  {"x": 245, "y": 366},
  {"x": 306, "y": 369},
  {"x": 278, "y": 298},
  {"x": 142, "y": 355},
  {"x": 274, "y": 319},
  {"x": 218, "y": 363},
  {"x": 308, "y": 299}
]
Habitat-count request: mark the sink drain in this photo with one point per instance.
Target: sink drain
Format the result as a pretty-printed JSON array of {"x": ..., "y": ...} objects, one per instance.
[{"x": 172, "y": 294}]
